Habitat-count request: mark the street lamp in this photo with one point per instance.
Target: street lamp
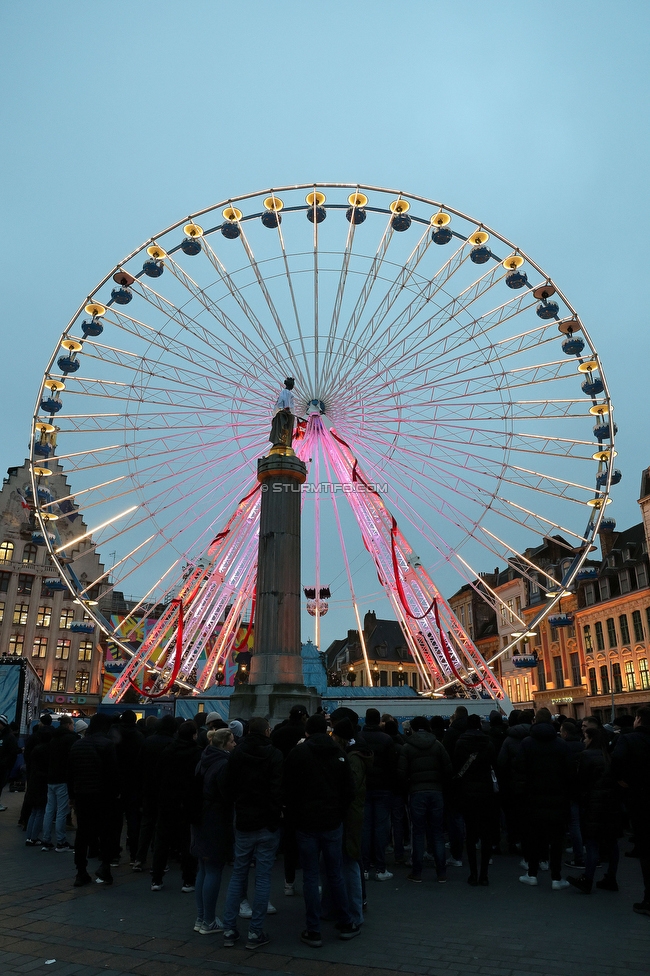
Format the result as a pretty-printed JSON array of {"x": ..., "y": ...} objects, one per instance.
[
  {"x": 401, "y": 677},
  {"x": 351, "y": 675},
  {"x": 220, "y": 676},
  {"x": 375, "y": 674}
]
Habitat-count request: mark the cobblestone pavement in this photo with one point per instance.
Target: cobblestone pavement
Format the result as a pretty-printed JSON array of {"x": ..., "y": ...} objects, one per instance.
[{"x": 439, "y": 930}]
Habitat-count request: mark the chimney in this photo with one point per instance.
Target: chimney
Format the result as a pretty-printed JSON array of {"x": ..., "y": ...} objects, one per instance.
[{"x": 606, "y": 533}]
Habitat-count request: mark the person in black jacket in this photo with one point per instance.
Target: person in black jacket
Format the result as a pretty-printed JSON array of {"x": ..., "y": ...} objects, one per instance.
[
  {"x": 37, "y": 766},
  {"x": 212, "y": 831},
  {"x": 510, "y": 790},
  {"x": 631, "y": 770},
  {"x": 453, "y": 812},
  {"x": 129, "y": 742},
  {"x": 284, "y": 737},
  {"x": 58, "y": 804},
  {"x": 178, "y": 803},
  {"x": 93, "y": 788},
  {"x": 600, "y": 811},
  {"x": 425, "y": 771},
  {"x": 570, "y": 732},
  {"x": 319, "y": 790},
  {"x": 381, "y": 780},
  {"x": 545, "y": 763},
  {"x": 254, "y": 784},
  {"x": 153, "y": 747},
  {"x": 474, "y": 758}
]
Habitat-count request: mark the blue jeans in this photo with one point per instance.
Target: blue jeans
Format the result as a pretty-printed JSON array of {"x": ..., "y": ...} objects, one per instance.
[
  {"x": 35, "y": 824},
  {"x": 427, "y": 814},
  {"x": 311, "y": 845},
  {"x": 376, "y": 828},
  {"x": 57, "y": 807},
  {"x": 574, "y": 832},
  {"x": 352, "y": 879},
  {"x": 261, "y": 845},
  {"x": 207, "y": 885}
]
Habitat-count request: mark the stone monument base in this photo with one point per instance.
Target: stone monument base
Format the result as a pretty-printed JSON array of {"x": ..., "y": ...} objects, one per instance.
[{"x": 271, "y": 701}]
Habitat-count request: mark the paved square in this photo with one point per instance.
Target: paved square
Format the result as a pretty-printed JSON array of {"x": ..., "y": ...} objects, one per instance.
[{"x": 438, "y": 930}]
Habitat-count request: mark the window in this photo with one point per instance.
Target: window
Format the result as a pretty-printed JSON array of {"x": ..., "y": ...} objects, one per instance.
[
  {"x": 509, "y": 689},
  {"x": 593, "y": 684},
  {"x": 526, "y": 688},
  {"x": 629, "y": 676},
  {"x": 559, "y": 673},
  {"x": 625, "y": 630},
  {"x": 590, "y": 594},
  {"x": 554, "y": 635},
  {"x": 518, "y": 689},
  {"x": 62, "y": 649},
  {"x": 5, "y": 577},
  {"x": 600, "y": 640},
  {"x": 16, "y": 644},
  {"x": 2, "y": 612},
  {"x": 534, "y": 587},
  {"x": 642, "y": 575},
  {"x": 470, "y": 620},
  {"x": 86, "y": 651},
  {"x": 586, "y": 630},
  {"x": 20, "y": 613},
  {"x": 383, "y": 679},
  {"x": 58, "y": 680},
  {"x": 30, "y": 552},
  {"x": 462, "y": 615},
  {"x": 44, "y": 616},
  {"x": 624, "y": 580},
  {"x": 576, "y": 672},
  {"x": 66, "y": 618},
  {"x": 511, "y": 607},
  {"x": 637, "y": 623},
  {"x": 617, "y": 680},
  {"x": 39, "y": 648},
  {"x": 541, "y": 676},
  {"x": 504, "y": 615},
  {"x": 25, "y": 583},
  {"x": 6, "y": 552},
  {"x": 605, "y": 589},
  {"x": 81, "y": 682},
  {"x": 611, "y": 632},
  {"x": 414, "y": 680},
  {"x": 604, "y": 679},
  {"x": 644, "y": 674}
]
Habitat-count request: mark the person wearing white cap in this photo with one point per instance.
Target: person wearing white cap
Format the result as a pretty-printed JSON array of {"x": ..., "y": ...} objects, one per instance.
[
  {"x": 80, "y": 726},
  {"x": 8, "y": 752}
]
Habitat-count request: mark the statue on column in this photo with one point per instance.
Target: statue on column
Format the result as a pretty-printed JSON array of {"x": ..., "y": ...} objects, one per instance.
[{"x": 282, "y": 426}]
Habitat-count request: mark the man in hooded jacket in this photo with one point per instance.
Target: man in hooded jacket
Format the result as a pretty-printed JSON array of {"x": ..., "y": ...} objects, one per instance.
[{"x": 253, "y": 783}]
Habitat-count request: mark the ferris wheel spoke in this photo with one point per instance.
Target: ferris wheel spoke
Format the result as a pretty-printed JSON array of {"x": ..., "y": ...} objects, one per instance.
[
  {"x": 269, "y": 345},
  {"x": 294, "y": 304},
  {"x": 338, "y": 301},
  {"x": 269, "y": 301}
]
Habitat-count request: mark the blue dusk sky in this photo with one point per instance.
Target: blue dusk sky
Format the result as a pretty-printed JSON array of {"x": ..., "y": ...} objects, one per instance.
[{"x": 118, "y": 118}]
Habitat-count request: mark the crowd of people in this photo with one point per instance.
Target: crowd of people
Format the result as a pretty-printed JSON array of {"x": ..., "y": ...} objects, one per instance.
[{"x": 338, "y": 800}]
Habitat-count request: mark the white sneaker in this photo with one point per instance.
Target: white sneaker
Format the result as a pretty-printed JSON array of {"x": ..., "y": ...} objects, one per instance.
[
  {"x": 289, "y": 889},
  {"x": 245, "y": 910},
  {"x": 558, "y": 885},
  {"x": 366, "y": 875},
  {"x": 198, "y": 924},
  {"x": 383, "y": 876},
  {"x": 211, "y": 928},
  {"x": 528, "y": 879},
  {"x": 523, "y": 864},
  {"x": 543, "y": 865},
  {"x": 453, "y": 863}
]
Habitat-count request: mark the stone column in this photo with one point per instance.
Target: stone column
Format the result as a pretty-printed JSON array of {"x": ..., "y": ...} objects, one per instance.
[{"x": 276, "y": 679}]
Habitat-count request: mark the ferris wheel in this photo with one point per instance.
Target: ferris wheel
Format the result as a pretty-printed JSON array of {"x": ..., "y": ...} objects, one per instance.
[{"x": 452, "y": 407}]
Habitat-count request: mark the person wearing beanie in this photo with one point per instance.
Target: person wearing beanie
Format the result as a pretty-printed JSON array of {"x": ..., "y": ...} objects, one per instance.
[
  {"x": 319, "y": 789},
  {"x": 80, "y": 726},
  {"x": 237, "y": 730}
]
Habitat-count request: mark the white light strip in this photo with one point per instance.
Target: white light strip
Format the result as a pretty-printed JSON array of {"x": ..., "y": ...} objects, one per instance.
[{"x": 73, "y": 542}]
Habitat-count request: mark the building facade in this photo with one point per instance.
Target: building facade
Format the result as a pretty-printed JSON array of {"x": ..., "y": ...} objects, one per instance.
[{"x": 39, "y": 618}]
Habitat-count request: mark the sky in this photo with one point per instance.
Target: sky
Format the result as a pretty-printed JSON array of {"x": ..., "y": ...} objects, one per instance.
[{"x": 118, "y": 118}]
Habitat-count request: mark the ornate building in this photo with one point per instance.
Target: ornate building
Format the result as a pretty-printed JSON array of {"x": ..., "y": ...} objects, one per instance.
[{"x": 39, "y": 618}]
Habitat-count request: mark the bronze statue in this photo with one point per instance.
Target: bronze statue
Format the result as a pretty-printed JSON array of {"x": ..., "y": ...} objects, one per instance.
[{"x": 282, "y": 426}]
